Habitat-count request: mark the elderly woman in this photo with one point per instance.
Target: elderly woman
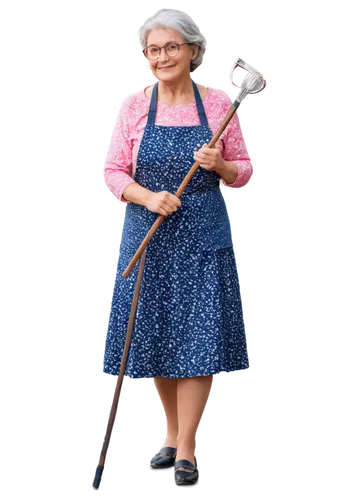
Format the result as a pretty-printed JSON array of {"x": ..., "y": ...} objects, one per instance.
[{"x": 189, "y": 320}]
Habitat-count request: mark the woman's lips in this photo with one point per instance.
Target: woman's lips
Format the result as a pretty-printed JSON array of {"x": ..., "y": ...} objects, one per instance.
[{"x": 166, "y": 67}]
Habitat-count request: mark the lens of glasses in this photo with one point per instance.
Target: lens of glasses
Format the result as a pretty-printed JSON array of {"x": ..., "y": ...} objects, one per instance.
[{"x": 153, "y": 52}]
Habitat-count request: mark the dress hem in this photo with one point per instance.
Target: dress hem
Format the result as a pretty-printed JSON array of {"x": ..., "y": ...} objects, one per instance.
[
  {"x": 214, "y": 373},
  {"x": 244, "y": 367}
]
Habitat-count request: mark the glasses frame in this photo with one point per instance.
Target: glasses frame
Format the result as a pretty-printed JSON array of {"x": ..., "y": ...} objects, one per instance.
[{"x": 165, "y": 48}]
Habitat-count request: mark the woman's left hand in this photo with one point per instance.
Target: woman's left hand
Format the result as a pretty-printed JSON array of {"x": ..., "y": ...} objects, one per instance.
[{"x": 210, "y": 158}]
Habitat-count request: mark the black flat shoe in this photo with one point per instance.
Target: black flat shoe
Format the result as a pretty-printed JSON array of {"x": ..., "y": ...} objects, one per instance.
[
  {"x": 186, "y": 477},
  {"x": 164, "y": 458}
]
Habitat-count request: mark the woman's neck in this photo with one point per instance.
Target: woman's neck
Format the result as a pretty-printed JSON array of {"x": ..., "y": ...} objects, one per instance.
[{"x": 176, "y": 92}]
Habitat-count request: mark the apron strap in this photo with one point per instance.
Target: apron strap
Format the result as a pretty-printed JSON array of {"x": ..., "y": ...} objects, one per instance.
[{"x": 200, "y": 106}]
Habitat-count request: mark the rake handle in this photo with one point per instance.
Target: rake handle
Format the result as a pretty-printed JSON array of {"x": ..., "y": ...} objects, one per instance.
[
  {"x": 142, "y": 251},
  {"x": 112, "y": 416},
  {"x": 180, "y": 190}
]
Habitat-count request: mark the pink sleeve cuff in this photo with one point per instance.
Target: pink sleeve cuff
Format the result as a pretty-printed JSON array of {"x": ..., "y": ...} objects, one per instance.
[{"x": 244, "y": 173}]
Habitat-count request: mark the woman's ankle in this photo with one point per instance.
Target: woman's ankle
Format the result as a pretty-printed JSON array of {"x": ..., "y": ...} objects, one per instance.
[{"x": 171, "y": 440}]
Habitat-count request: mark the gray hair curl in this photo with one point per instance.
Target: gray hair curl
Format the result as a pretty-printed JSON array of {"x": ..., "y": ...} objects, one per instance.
[{"x": 180, "y": 22}]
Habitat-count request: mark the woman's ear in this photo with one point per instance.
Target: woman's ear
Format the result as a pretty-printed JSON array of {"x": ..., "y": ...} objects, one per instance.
[{"x": 196, "y": 50}]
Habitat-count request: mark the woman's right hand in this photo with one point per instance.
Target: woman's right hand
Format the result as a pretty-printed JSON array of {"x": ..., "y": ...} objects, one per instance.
[{"x": 163, "y": 203}]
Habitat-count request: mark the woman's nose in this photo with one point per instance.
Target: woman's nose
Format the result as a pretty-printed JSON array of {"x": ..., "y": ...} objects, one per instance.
[{"x": 163, "y": 57}]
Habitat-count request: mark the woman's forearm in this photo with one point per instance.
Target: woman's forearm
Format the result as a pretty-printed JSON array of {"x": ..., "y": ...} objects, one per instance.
[
  {"x": 228, "y": 171},
  {"x": 136, "y": 193}
]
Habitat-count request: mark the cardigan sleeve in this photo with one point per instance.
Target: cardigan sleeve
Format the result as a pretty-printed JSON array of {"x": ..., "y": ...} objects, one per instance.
[
  {"x": 234, "y": 149},
  {"x": 118, "y": 160}
]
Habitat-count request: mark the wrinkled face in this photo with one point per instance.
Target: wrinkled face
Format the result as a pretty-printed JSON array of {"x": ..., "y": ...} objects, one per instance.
[{"x": 180, "y": 63}]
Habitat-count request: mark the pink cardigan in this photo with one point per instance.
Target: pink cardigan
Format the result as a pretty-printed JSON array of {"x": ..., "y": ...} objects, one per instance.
[{"x": 121, "y": 159}]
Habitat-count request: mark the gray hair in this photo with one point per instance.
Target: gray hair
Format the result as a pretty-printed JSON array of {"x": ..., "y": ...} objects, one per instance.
[{"x": 180, "y": 22}]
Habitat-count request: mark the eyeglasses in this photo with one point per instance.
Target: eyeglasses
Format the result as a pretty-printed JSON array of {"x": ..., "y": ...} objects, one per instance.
[{"x": 171, "y": 49}]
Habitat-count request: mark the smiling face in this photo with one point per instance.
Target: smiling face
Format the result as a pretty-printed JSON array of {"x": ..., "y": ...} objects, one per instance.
[{"x": 180, "y": 63}]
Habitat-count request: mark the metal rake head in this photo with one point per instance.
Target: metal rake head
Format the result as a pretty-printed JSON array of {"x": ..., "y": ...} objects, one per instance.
[{"x": 253, "y": 82}]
